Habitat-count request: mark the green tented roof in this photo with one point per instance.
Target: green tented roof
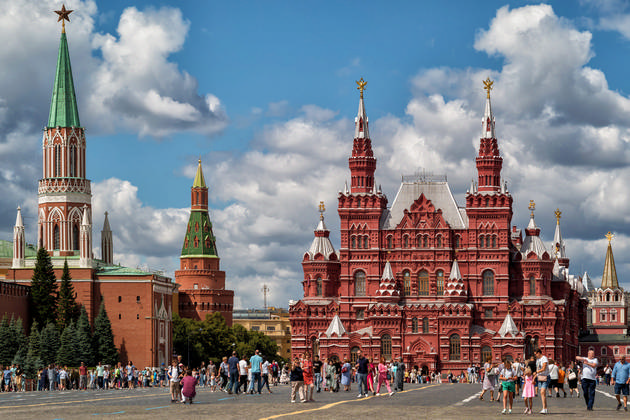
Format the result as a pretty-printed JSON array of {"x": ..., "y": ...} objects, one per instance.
[
  {"x": 199, "y": 238},
  {"x": 63, "y": 106},
  {"x": 6, "y": 250}
]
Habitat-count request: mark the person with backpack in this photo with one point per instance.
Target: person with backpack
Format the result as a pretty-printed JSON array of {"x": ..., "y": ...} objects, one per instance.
[{"x": 174, "y": 376}]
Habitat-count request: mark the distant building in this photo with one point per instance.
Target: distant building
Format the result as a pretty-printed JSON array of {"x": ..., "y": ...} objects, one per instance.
[
  {"x": 607, "y": 322},
  {"x": 274, "y": 322},
  {"x": 202, "y": 284}
]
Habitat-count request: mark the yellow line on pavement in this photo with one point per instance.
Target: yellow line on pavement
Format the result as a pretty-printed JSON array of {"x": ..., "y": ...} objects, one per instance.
[{"x": 327, "y": 406}]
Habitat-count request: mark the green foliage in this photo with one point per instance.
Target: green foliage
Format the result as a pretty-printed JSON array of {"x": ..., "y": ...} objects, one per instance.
[
  {"x": 104, "y": 347},
  {"x": 33, "y": 361},
  {"x": 84, "y": 349},
  {"x": 67, "y": 354},
  {"x": 67, "y": 308},
  {"x": 211, "y": 339},
  {"x": 43, "y": 290},
  {"x": 12, "y": 341},
  {"x": 49, "y": 342},
  {"x": 7, "y": 351}
]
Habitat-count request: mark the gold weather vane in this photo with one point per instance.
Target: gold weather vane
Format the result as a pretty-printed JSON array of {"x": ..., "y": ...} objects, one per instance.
[
  {"x": 609, "y": 236},
  {"x": 63, "y": 16},
  {"x": 487, "y": 85},
  {"x": 362, "y": 83},
  {"x": 532, "y": 207},
  {"x": 558, "y": 214},
  {"x": 322, "y": 209}
]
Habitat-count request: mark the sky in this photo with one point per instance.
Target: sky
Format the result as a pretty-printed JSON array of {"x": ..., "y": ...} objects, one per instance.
[{"x": 264, "y": 94}]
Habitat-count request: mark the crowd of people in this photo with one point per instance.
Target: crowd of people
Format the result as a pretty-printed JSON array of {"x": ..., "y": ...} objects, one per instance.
[{"x": 540, "y": 376}]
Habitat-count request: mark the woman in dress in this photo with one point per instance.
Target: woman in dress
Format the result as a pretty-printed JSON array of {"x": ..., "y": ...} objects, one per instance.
[
  {"x": 489, "y": 379},
  {"x": 330, "y": 375},
  {"x": 370, "y": 376},
  {"x": 346, "y": 371},
  {"x": 528, "y": 390},
  {"x": 382, "y": 377},
  {"x": 572, "y": 377}
]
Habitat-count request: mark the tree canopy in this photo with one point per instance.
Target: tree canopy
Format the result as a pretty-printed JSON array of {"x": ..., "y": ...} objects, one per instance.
[{"x": 44, "y": 290}]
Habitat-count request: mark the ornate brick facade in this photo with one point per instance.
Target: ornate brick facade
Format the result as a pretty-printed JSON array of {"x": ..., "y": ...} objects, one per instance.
[{"x": 441, "y": 285}]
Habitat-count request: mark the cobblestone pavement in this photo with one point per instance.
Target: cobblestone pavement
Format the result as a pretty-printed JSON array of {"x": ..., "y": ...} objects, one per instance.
[{"x": 437, "y": 401}]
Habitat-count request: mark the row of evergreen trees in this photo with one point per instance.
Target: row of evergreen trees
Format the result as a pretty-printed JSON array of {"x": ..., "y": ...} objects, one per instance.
[{"x": 65, "y": 336}]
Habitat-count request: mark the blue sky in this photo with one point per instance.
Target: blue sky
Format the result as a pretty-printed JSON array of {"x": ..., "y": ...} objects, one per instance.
[{"x": 264, "y": 94}]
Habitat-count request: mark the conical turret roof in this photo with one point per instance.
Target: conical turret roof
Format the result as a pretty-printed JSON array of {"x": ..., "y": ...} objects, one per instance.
[
  {"x": 609, "y": 278},
  {"x": 63, "y": 105},
  {"x": 200, "y": 182}
]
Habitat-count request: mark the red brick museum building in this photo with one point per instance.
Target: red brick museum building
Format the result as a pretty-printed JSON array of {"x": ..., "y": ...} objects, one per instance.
[{"x": 441, "y": 285}]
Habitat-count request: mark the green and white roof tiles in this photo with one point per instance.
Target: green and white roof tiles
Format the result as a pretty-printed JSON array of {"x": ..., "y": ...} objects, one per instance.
[{"x": 63, "y": 105}]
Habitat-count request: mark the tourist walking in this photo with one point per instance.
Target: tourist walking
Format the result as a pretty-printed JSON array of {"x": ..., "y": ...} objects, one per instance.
[
  {"x": 400, "y": 375},
  {"x": 242, "y": 373},
  {"x": 233, "y": 372},
  {"x": 346, "y": 371},
  {"x": 307, "y": 375},
  {"x": 317, "y": 373},
  {"x": 297, "y": 380},
  {"x": 542, "y": 372},
  {"x": 489, "y": 380},
  {"x": 362, "y": 374},
  {"x": 265, "y": 373},
  {"x": 382, "y": 377},
  {"x": 572, "y": 377},
  {"x": 528, "y": 390},
  {"x": 255, "y": 362},
  {"x": 174, "y": 376},
  {"x": 589, "y": 371},
  {"x": 620, "y": 379},
  {"x": 224, "y": 368},
  {"x": 331, "y": 376},
  {"x": 508, "y": 377}
]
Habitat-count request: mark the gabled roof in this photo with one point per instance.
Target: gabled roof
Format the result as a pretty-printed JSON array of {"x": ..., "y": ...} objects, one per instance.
[
  {"x": 437, "y": 191},
  {"x": 63, "y": 105},
  {"x": 508, "y": 327}
]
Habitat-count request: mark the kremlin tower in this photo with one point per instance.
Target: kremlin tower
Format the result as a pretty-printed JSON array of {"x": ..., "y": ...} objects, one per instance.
[{"x": 202, "y": 289}]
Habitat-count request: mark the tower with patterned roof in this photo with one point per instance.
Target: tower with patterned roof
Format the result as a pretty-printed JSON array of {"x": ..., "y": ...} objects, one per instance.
[
  {"x": 64, "y": 192},
  {"x": 202, "y": 283}
]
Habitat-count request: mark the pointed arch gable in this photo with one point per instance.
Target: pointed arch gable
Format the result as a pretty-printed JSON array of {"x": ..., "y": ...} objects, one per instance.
[{"x": 55, "y": 215}]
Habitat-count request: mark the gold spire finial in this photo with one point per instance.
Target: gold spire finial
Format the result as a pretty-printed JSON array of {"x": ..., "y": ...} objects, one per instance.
[
  {"x": 362, "y": 83},
  {"x": 322, "y": 209},
  {"x": 487, "y": 85},
  {"x": 558, "y": 214},
  {"x": 532, "y": 207},
  {"x": 609, "y": 236},
  {"x": 63, "y": 16}
]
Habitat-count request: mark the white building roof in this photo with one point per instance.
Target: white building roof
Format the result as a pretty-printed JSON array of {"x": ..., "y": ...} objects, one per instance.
[
  {"x": 508, "y": 327},
  {"x": 335, "y": 327},
  {"x": 321, "y": 244}
]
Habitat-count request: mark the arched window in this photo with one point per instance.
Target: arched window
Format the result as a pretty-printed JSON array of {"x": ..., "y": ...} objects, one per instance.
[
  {"x": 486, "y": 352},
  {"x": 315, "y": 346},
  {"x": 423, "y": 283},
  {"x": 196, "y": 242},
  {"x": 73, "y": 159},
  {"x": 418, "y": 242},
  {"x": 425, "y": 325},
  {"x": 319, "y": 286},
  {"x": 75, "y": 236},
  {"x": 366, "y": 240},
  {"x": 389, "y": 242},
  {"x": 532, "y": 286},
  {"x": 481, "y": 241},
  {"x": 454, "y": 346},
  {"x": 354, "y": 355},
  {"x": 406, "y": 241},
  {"x": 56, "y": 237},
  {"x": 457, "y": 241},
  {"x": 353, "y": 242},
  {"x": 494, "y": 241},
  {"x": 414, "y": 325},
  {"x": 425, "y": 241},
  {"x": 438, "y": 242},
  {"x": 406, "y": 283},
  {"x": 57, "y": 160},
  {"x": 439, "y": 276},
  {"x": 386, "y": 346},
  {"x": 359, "y": 242},
  {"x": 359, "y": 283},
  {"x": 488, "y": 283}
]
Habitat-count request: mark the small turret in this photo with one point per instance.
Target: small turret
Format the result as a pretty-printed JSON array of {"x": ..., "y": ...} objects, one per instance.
[
  {"x": 85, "y": 246},
  {"x": 19, "y": 241},
  {"x": 387, "y": 288},
  {"x": 107, "y": 242}
]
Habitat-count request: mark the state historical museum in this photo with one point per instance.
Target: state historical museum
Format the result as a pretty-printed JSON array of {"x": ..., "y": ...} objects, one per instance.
[{"x": 441, "y": 285}]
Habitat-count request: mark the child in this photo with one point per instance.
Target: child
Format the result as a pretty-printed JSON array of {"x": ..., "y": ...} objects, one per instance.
[
  {"x": 508, "y": 377},
  {"x": 382, "y": 377},
  {"x": 188, "y": 384},
  {"x": 297, "y": 380},
  {"x": 528, "y": 390}
]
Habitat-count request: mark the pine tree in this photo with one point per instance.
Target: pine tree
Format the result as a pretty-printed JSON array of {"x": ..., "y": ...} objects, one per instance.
[
  {"x": 84, "y": 349},
  {"x": 49, "y": 343},
  {"x": 67, "y": 353},
  {"x": 7, "y": 351},
  {"x": 43, "y": 290},
  {"x": 33, "y": 361},
  {"x": 67, "y": 308},
  {"x": 105, "y": 351}
]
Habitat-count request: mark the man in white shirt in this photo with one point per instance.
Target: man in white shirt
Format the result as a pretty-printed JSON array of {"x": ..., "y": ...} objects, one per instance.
[
  {"x": 589, "y": 370},
  {"x": 242, "y": 372},
  {"x": 542, "y": 372}
]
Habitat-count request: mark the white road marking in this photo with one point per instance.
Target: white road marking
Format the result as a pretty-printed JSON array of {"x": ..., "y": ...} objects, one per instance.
[
  {"x": 469, "y": 399},
  {"x": 607, "y": 394}
]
